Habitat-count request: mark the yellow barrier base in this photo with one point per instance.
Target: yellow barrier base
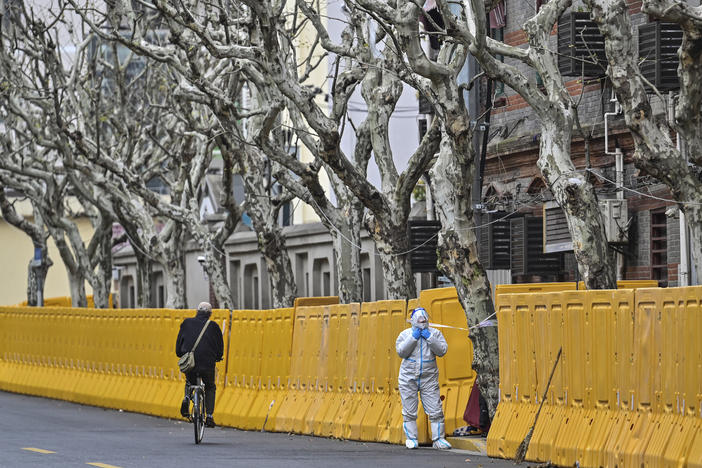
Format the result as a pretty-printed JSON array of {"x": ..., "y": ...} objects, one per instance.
[{"x": 478, "y": 445}]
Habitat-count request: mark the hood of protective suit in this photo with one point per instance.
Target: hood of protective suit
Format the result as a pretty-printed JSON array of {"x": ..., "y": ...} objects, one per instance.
[{"x": 419, "y": 318}]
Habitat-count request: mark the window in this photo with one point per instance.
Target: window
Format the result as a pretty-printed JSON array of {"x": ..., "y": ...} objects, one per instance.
[
  {"x": 161, "y": 296},
  {"x": 301, "y": 274},
  {"x": 320, "y": 268},
  {"x": 367, "y": 297},
  {"x": 251, "y": 296},
  {"x": 659, "y": 247},
  {"x": 234, "y": 271}
]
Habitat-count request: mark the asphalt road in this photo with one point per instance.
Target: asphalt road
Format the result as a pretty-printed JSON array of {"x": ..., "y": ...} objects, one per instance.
[{"x": 52, "y": 433}]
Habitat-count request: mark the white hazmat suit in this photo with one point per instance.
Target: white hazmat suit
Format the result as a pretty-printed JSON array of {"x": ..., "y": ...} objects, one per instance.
[{"x": 419, "y": 347}]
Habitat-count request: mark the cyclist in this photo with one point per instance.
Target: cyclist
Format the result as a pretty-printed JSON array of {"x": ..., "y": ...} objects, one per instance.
[{"x": 209, "y": 350}]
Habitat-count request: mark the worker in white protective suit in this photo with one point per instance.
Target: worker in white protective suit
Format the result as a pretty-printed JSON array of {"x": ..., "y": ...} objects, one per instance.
[{"x": 419, "y": 347}]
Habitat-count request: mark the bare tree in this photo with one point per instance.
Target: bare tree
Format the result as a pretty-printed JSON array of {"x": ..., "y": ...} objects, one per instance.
[
  {"x": 40, "y": 262},
  {"x": 103, "y": 108},
  {"x": 388, "y": 208},
  {"x": 451, "y": 176},
  {"x": 557, "y": 113},
  {"x": 656, "y": 152}
]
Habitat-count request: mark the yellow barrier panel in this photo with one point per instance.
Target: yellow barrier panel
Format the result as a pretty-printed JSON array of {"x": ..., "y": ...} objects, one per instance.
[
  {"x": 377, "y": 419},
  {"x": 548, "y": 317},
  {"x": 230, "y": 392},
  {"x": 577, "y": 366},
  {"x": 65, "y": 301},
  {"x": 316, "y": 301},
  {"x": 396, "y": 322},
  {"x": 367, "y": 323},
  {"x": 350, "y": 326},
  {"x": 507, "y": 337},
  {"x": 275, "y": 366},
  {"x": 244, "y": 366},
  {"x": 297, "y": 385},
  {"x": 320, "y": 373},
  {"x": 565, "y": 286},
  {"x": 525, "y": 388},
  {"x": 685, "y": 446},
  {"x": 647, "y": 336},
  {"x": 326, "y": 403}
]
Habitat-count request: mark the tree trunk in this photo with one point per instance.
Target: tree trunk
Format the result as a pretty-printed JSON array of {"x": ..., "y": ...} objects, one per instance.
[
  {"x": 392, "y": 243},
  {"x": 76, "y": 283},
  {"x": 175, "y": 269},
  {"x": 577, "y": 197},
  {"x": 144, "y": 281},
  {"x": 101, "y": 295},
  {"x": 217, "y": 274},
  {"x": 103, "y": 277},
  {"x": 348, "y": 253},
  {"x": 458, "y": 257},
  {"x": 36, "y": 277},
  {"x": 271, "y": 243},
  {"x": 175, "y": 284}
]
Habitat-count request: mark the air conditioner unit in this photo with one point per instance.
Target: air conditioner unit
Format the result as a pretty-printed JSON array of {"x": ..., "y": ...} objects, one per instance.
[
  {"x": 423, "y": 242},
  {"x": 527, "y": 256},
  {"x": 658, "y": 54},
  {"x": 580, "y": 46},
  {"x": 556, "y": 233},
  {"x": 494, "y": 240},
  {"x": 616, "y": 219}
]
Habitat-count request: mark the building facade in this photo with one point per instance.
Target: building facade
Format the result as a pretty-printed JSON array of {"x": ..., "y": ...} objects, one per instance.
[{"x": 529, "y": 232}]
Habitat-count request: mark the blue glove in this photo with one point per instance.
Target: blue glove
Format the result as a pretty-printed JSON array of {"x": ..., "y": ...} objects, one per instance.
[
  {"x": 416, "y": 333},
  {"x": 426, "y": 333}
]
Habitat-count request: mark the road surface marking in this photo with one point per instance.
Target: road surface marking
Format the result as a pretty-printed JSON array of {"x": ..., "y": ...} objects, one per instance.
[
  {"x": 38, "y": 450},
  {"x": 102, "y": 465}
]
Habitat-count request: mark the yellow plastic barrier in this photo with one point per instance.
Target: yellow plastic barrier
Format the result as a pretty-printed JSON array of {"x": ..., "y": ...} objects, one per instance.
[
  {"x": 348, "y": 344},
  {"x": 384, "y": 369},
  {"x": 566, "y": 286},
  {"x": 275, "y": 367},
  {"x": 65, "y": 301},
  {"x": 316, "y": 301},
  {"x": 627, "y": 388}
]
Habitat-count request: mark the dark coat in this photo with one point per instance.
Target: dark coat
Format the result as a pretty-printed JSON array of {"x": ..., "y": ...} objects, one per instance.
[{"x": 211, "y": 346}]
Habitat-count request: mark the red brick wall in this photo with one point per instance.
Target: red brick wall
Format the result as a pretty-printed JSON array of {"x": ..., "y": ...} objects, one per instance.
[
  {"x": 634, "y": 6},
  {"x": 516, "y": 102},
  {"x": 638, "y": 272}
]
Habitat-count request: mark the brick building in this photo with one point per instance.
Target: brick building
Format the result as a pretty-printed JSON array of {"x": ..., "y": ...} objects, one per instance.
[{"x": 528, "y": 233}]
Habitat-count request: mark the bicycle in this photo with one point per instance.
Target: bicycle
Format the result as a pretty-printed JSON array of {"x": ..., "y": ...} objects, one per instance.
[{"x": 198, "y": 414}]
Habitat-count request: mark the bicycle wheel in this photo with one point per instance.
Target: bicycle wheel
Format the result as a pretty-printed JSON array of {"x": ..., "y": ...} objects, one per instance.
[{"x": 198, "y": 413}]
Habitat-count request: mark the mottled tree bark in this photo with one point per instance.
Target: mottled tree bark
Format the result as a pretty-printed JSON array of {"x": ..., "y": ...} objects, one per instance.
[
  {"x": 144, "y": 281},
  {"x": 576, "y": 196},
  {"x": 347, "y": 250},
  {"x": 392, "y": 243},
  {"x": 458, "y": 253}
]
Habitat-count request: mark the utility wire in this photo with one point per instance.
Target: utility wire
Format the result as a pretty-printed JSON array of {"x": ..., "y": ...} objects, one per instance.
[
  {"x": 414, "y": 248},
  {"x": 669, "y": 200}
]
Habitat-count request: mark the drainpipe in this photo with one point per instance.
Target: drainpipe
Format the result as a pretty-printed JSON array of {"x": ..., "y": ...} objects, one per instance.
[{"x": 683, "y": 268}]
